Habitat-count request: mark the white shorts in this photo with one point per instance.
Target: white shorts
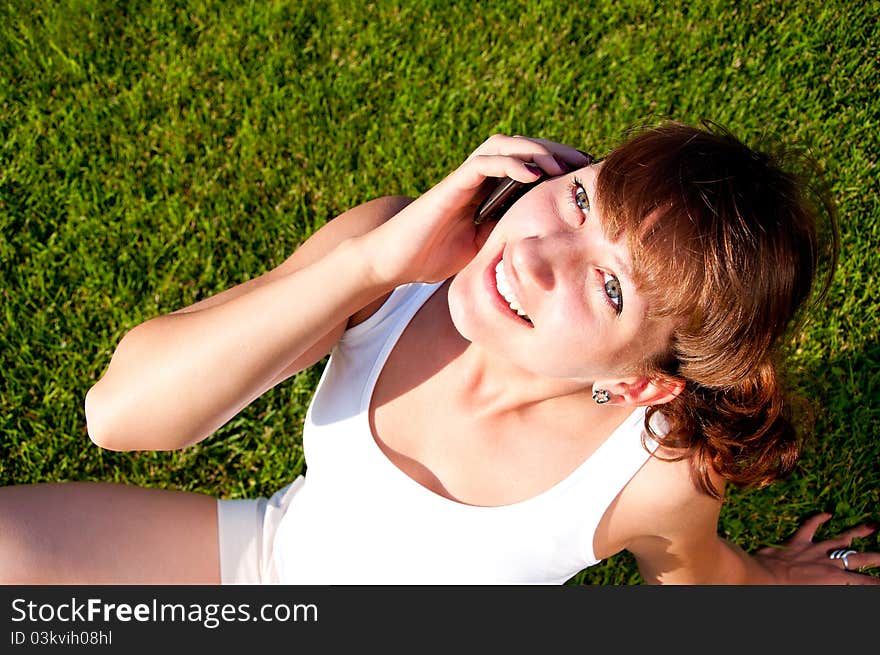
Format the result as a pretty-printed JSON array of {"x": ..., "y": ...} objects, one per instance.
[{"x": 247, "y": 532}]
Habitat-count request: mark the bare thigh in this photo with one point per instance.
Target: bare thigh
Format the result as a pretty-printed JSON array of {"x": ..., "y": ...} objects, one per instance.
[{"x": 103, "y": 533}]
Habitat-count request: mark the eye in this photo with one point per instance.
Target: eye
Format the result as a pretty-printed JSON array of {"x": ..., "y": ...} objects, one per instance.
[
  {"x": 613, "y": 292},
  {"x": 580, "y": 197}
]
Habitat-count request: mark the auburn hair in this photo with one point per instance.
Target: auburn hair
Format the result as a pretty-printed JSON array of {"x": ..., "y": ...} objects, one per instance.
[{"x": 727, "y": 242}]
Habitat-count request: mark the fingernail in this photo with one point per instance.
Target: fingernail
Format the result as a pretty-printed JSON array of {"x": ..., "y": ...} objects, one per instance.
[{"x": 534, "y": 168}]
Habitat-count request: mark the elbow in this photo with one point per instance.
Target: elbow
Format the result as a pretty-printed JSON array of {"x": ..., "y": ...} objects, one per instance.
[
  {"x": 112, "y": 424},
  {"x": 99, "y": 421}
]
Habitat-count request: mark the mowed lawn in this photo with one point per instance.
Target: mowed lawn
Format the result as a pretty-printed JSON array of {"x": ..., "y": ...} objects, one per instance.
[{"x": 154, "y": 153}]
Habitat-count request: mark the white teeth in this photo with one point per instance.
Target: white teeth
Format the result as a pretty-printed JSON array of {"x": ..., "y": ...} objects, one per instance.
[{"x": 505, "y": 290}]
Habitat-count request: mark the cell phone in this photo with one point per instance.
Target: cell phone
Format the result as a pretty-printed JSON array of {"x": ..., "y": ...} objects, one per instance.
[{"x": 505, "y": 193}]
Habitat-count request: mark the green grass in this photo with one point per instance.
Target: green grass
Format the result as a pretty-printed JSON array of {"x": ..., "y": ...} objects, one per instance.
[{"x": 154, "y": 153}]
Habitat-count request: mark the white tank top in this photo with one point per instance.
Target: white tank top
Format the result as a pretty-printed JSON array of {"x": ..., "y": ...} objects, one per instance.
[{"x": 358, "y": 519}]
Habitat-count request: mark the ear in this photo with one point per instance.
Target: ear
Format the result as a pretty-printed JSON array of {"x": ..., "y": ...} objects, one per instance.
[{"x": 641, "y": 390}]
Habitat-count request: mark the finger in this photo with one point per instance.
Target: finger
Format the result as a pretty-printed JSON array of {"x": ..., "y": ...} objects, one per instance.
[
  {"x": 513, "y": 146},
  {"x": 473, "y": 172},
  {"x": 862, "y": 561},
  {"x": 804, "y": 534},
  {"x": 570, "y": 154},
  {"x": 555, "y": 158},
  {"x": 846, "y": 537},
  {"x": 553, "y": 164}
]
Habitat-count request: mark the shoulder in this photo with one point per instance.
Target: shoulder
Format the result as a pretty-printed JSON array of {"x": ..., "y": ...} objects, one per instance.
[{"x": 662, "y": 503}]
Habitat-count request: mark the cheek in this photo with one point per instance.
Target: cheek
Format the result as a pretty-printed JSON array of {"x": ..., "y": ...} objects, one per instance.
[
  {"x": 581, "y": 338},
  {"x": 534, "y": 213},
  {"x": 461, "y": 309},
  {"x": 484, "y": 233},
  {"x": 571, "y": 313}
]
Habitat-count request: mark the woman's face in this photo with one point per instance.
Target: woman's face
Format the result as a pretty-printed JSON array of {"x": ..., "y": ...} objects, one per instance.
[{"x": 549, "y": 257}]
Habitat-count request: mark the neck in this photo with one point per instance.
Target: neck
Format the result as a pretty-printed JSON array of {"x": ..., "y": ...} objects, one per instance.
[{"x": 488, "y": 385}]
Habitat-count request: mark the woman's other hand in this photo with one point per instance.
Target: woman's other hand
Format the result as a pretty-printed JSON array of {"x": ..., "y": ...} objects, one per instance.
[{"x": 802, "y": 561}]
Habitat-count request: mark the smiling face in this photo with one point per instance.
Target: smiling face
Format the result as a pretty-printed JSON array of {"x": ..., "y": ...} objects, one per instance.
[{"x": 551, "y": 293}]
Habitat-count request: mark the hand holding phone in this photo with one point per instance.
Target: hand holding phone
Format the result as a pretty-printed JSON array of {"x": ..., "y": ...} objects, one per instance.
[{"x": 507, "y": 192}]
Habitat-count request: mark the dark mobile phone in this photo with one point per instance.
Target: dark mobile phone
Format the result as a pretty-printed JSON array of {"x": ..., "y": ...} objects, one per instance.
[{"x": 506, "y": 193}]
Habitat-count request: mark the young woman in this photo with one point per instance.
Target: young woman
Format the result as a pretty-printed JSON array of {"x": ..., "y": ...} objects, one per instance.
[{"x": 507, "y": 402}]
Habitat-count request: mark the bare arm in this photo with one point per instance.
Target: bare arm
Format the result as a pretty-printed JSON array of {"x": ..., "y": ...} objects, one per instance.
[
  {"x": 671, "y": 528},
  {"x": 673, "y": 531},
  {"x": 175, "y": 379},
  {"x": 696, "y": 558},
  {"x": 688, "y": 558}
]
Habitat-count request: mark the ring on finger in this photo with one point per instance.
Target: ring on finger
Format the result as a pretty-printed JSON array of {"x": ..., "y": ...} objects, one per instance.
[{"x": 842, "y": 554}]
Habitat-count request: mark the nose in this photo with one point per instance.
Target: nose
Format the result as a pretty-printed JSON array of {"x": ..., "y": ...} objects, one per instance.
[{"x": 537, "y": 260}]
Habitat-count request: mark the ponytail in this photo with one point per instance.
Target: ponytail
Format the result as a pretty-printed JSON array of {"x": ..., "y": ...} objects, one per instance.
[
  {"x": 746, "y": 433},
  {"x": 727, "y": 245}
]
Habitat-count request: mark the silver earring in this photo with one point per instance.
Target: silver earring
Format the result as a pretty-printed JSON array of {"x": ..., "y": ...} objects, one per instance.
[{"x": 601, "y": 396}]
